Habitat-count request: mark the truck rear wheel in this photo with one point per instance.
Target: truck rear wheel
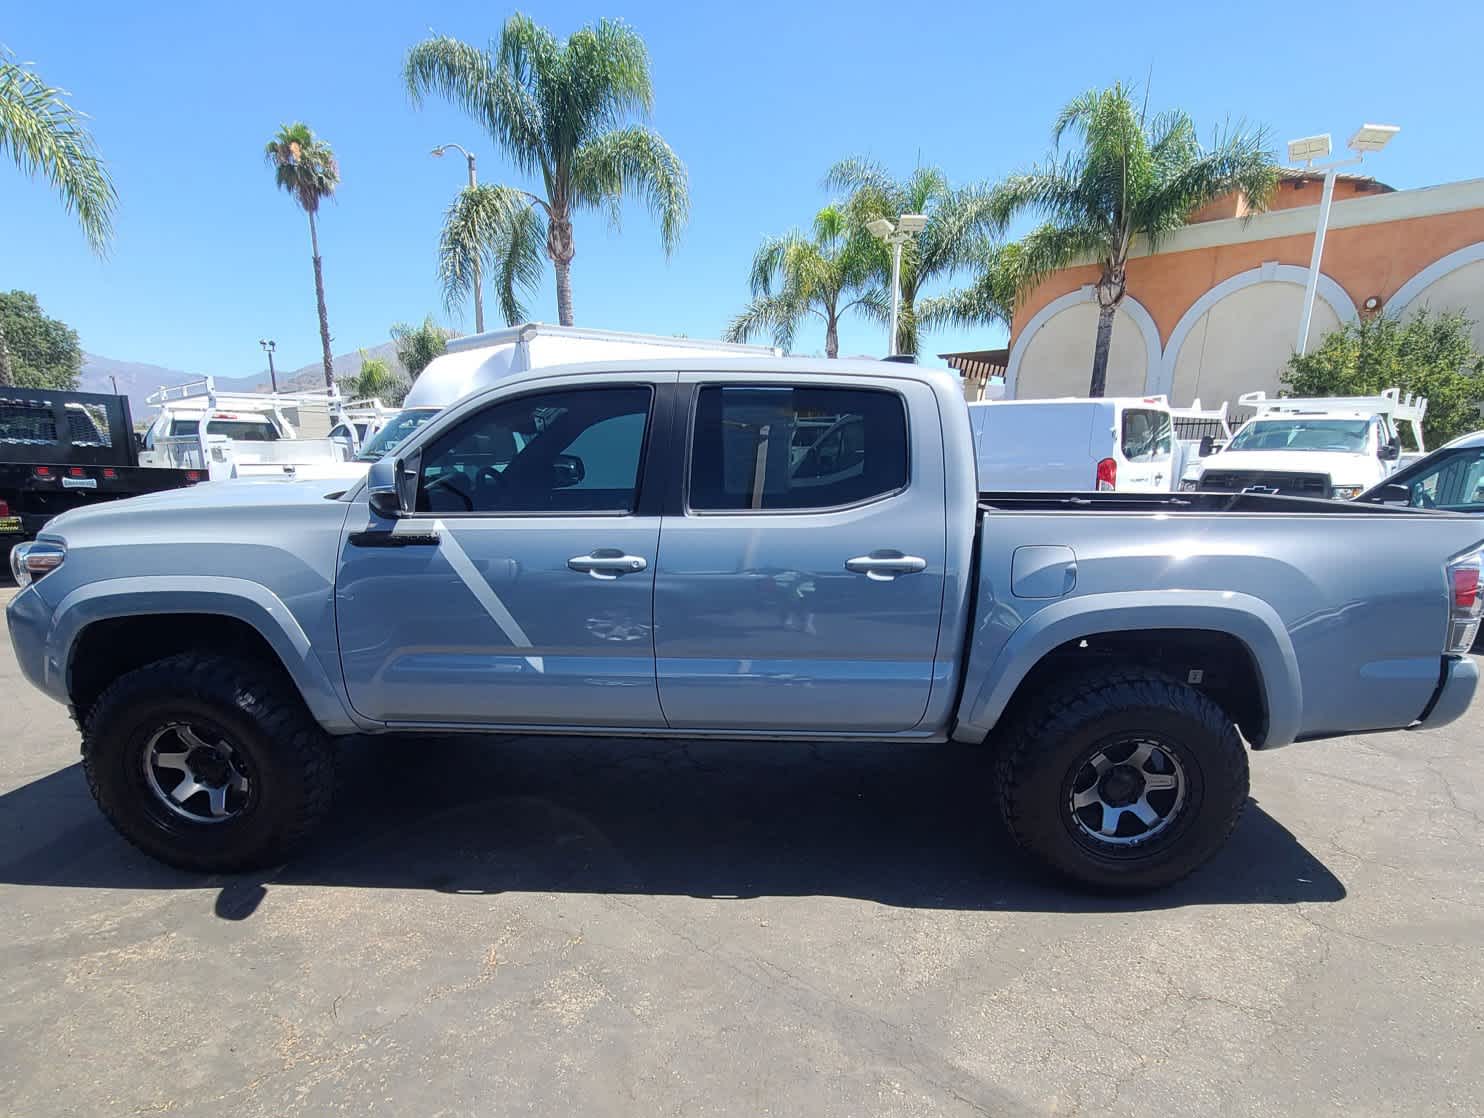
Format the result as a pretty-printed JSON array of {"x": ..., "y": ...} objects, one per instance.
[
  {"x": 1123, "y": 780},
  {"x": 208, "y": 763}
]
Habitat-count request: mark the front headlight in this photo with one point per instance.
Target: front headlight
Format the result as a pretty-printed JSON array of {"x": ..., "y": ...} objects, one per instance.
[
  {"x": 29, "y": 561},
  {"x": 1345, "y": 492}
]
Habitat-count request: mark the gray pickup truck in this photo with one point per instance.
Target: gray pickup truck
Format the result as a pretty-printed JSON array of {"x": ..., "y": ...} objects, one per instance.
[{"x": 701, "y": 547}]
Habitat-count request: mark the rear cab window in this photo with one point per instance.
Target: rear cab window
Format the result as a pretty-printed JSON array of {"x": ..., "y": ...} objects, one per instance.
[{"x": 762, "y": 448}]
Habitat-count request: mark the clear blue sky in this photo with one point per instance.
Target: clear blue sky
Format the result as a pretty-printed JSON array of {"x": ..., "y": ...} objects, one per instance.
[{"x": 758, "y": 98}]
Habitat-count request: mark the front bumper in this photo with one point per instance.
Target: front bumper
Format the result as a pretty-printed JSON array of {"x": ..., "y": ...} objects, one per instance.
[
  {"x": 1455, "y": 691},
  {"x": 29, "y": 618}
]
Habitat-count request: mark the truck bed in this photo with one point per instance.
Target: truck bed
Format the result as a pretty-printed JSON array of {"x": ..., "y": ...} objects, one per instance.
[{"x": 1186, "y": 503}]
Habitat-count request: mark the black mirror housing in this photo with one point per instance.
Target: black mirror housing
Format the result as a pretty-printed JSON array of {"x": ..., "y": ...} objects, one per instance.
[{"x": 1208, "y": 444}]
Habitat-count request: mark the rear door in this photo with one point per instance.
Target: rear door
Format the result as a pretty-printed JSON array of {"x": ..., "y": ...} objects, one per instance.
[
  {"x": 800, "y": 585},
  {"x": 1146, "y": 448}
]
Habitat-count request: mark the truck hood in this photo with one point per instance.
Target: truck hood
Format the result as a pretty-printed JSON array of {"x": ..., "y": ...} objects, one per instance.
[
  {"x": 1343, "y": 468},
  {"x": 223, "y": 501}
]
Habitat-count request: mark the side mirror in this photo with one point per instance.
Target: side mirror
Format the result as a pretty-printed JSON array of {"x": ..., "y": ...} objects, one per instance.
[
  {"x": 1394, "y": 494},
  {"x": 391, "y": 486},
  {"x": 1390, "y": 452},
  {"x": 567, "y": 470},
  {"x": 1208, "y": 444}
]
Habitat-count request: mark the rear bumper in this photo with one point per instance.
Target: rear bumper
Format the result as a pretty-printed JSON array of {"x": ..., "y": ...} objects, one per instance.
[{"x": 1460, "y": 678}]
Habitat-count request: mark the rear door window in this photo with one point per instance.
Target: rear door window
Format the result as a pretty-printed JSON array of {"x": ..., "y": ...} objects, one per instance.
[{"x": 762, "y": 448}]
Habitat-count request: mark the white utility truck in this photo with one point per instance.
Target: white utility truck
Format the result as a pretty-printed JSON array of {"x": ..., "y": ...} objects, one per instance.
[{"x": 1325, "y": 446}]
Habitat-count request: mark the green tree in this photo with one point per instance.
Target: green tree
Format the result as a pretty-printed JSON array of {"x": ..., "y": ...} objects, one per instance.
[
  {"x": 46, "y": 136},
  {"x": 1425, "y": 354},
  {"x": 958, "y": 235},
  {"x": 305, "y": 167},
  {"x": 44, "y": 352},
  {"x": 557, "y": 109},
  {"x": 825, "y": 276},
  {"x": 376, "y": 379},
  {"x": 1126, "y": 178},
  {"x": 417, "y": 346}
]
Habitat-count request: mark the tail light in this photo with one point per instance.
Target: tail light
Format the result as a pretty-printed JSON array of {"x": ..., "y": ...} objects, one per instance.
[
  {"x": 29, "y": 561},
  {"x": 43, "y": 472},
  {"x": 193, "y": 476},
  {"x": 1465, "y": 604},
  {"x": 4, "y": 507},
  {"x": 1107, "y": 475},
  {"x": 76, "y": 471},
  {"x": 110, "y": 474}
]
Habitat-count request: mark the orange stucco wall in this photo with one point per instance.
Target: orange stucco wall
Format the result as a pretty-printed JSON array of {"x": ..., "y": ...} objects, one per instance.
[{"x": 1365, "y": 260}]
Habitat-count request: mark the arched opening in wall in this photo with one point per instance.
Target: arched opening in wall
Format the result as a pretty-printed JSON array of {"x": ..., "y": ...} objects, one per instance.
[
  {"x": 1461, "y": 290},
  {"x": 1242, "y": 343},
  {"x": 1058, "y": 358}
]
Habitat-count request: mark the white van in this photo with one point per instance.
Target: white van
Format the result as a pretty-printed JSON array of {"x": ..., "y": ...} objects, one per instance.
[{"x": 1121, "y": 444}]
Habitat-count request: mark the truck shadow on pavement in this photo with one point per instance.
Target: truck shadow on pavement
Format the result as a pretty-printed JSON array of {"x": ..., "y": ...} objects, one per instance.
[{"x": 907, "y": 826}]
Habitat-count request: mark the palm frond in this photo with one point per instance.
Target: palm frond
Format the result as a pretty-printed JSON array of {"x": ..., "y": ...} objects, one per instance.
[
  {"x": 469, "y": 78},
  {"x": 635, "y": 162},
  {"x": 489, "y": 228},
  {"x": 775, "y": 315},
  {"x": 417, "y": 346},
  {"x": 303, "y": 165},
  {"x": 45, "y": 135}
]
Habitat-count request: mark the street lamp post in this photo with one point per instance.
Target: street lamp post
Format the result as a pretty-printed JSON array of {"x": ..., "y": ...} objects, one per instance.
[
  {"x": 1367, "y": 138},
  {"x": 269, "y": 345},
  {"x": 906, "y": 227},
  {"x": 473, "y": 182}
]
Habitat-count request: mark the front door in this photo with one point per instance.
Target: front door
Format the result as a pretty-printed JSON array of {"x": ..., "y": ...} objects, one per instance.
[
  {"x": 521, "y": 590},
  {"x": 801, "y": 585}
]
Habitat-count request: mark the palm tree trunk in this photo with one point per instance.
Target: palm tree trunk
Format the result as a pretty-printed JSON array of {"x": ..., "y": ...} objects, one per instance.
[
  {"x": 1100, "y": 349},
  {"x": 319, "y": 295},
  {"x": 832, "y": 337},
  {"x": 560, "y": 248},
  {"x": 907, "y": 326},
  {"x": 7, "y": 376}
]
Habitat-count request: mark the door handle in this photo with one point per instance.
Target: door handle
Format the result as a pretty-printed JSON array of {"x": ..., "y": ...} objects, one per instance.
[
  {"x": 883, "y": 566},
  {"x": 607, "y": 563}
]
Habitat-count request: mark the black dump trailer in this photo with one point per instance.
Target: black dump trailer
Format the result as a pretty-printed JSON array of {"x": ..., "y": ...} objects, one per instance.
[{"x": 66, "y": 450}]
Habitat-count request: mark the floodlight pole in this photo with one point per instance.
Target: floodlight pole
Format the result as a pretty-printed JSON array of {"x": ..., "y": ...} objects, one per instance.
[
  {"x": 1311, "y": 283},
  {"x": 896, "y": 287}
]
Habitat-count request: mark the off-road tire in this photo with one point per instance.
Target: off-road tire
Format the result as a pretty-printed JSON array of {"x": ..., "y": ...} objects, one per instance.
[
  {"x": 290, "y": 758},
  {"x": 1041, "y": 755}
]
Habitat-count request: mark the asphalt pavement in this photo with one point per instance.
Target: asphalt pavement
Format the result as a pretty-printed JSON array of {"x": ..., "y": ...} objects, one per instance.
[{"x": 517, "y": 925}]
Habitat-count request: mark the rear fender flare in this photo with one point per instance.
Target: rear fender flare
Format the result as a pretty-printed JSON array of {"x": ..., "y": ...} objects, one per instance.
[{"x": 1250, "y": 620}]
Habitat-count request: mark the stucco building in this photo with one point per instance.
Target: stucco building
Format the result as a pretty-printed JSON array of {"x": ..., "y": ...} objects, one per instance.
[{"x": 1215, "y": 312}]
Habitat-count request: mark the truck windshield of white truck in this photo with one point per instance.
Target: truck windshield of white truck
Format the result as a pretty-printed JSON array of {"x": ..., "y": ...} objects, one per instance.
[{"x": 1303, "y": 434}]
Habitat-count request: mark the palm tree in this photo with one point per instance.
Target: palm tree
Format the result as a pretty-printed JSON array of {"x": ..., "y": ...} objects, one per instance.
[
  {"x": 557, "y": 109},
  {"x": 1128, "y": 176},
  {"x": 794, "y": 276},
  {"x": 376, "y": 379},
  {"x": 46, "y": 136},
  {"x": 305, "y": 166},
  {"x": 957, "y": 237},
  {"x": 417, "y": 346}
]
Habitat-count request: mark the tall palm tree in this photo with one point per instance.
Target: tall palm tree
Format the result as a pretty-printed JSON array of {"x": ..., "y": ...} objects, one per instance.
[
  {"x": 46, "y": 136},
  {"x": 794, "y": 277},
  {"x": 558, "y": 110},
  {"x": 1127, "y": 177},
  {"x": 957, "y": 237},
  {"x": 305, "y": 167}
]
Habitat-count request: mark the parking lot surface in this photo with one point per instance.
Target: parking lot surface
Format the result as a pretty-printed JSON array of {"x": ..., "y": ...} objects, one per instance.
[{"x": 509, "y": 925}]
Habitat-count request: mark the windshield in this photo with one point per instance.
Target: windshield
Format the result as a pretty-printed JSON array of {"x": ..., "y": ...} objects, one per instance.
[
  {"x": 1303, "y": 434},
  {"x": 239, "y": 430},
  {"x": 398, "y": 428}
]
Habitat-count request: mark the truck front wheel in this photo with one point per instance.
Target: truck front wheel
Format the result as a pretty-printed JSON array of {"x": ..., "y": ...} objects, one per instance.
[
  {"x": 1124, "y": 779},
  {"x": 208, "y": 763}
]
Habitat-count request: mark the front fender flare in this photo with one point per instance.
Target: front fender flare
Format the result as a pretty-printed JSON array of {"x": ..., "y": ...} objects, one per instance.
[
  {"x": 1250, "y": 620},
  {"x": 244, "y": 600}
]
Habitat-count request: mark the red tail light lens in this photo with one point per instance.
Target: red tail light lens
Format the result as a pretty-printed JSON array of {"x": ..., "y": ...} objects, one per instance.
[
  {"x": 193, "y": 475},
  {"x": 1465, "y": 588},
  {"x": 4, "y": 507},
  {"x": 110, "y": 474},
  {"x": 1465, "y": 604},
  {"x": 42, "y": 471},
  {"x": 1107, "y": 475},
  {"x": 76, "y": 471}
]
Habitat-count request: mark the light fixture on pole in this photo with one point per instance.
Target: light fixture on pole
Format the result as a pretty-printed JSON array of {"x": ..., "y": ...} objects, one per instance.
[
  {"x": 906, "y": 227},
  {"x": 269, "y": 345},
  {"x": 1367, "y": 138},
  {"x": 473, "y": 182}
]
